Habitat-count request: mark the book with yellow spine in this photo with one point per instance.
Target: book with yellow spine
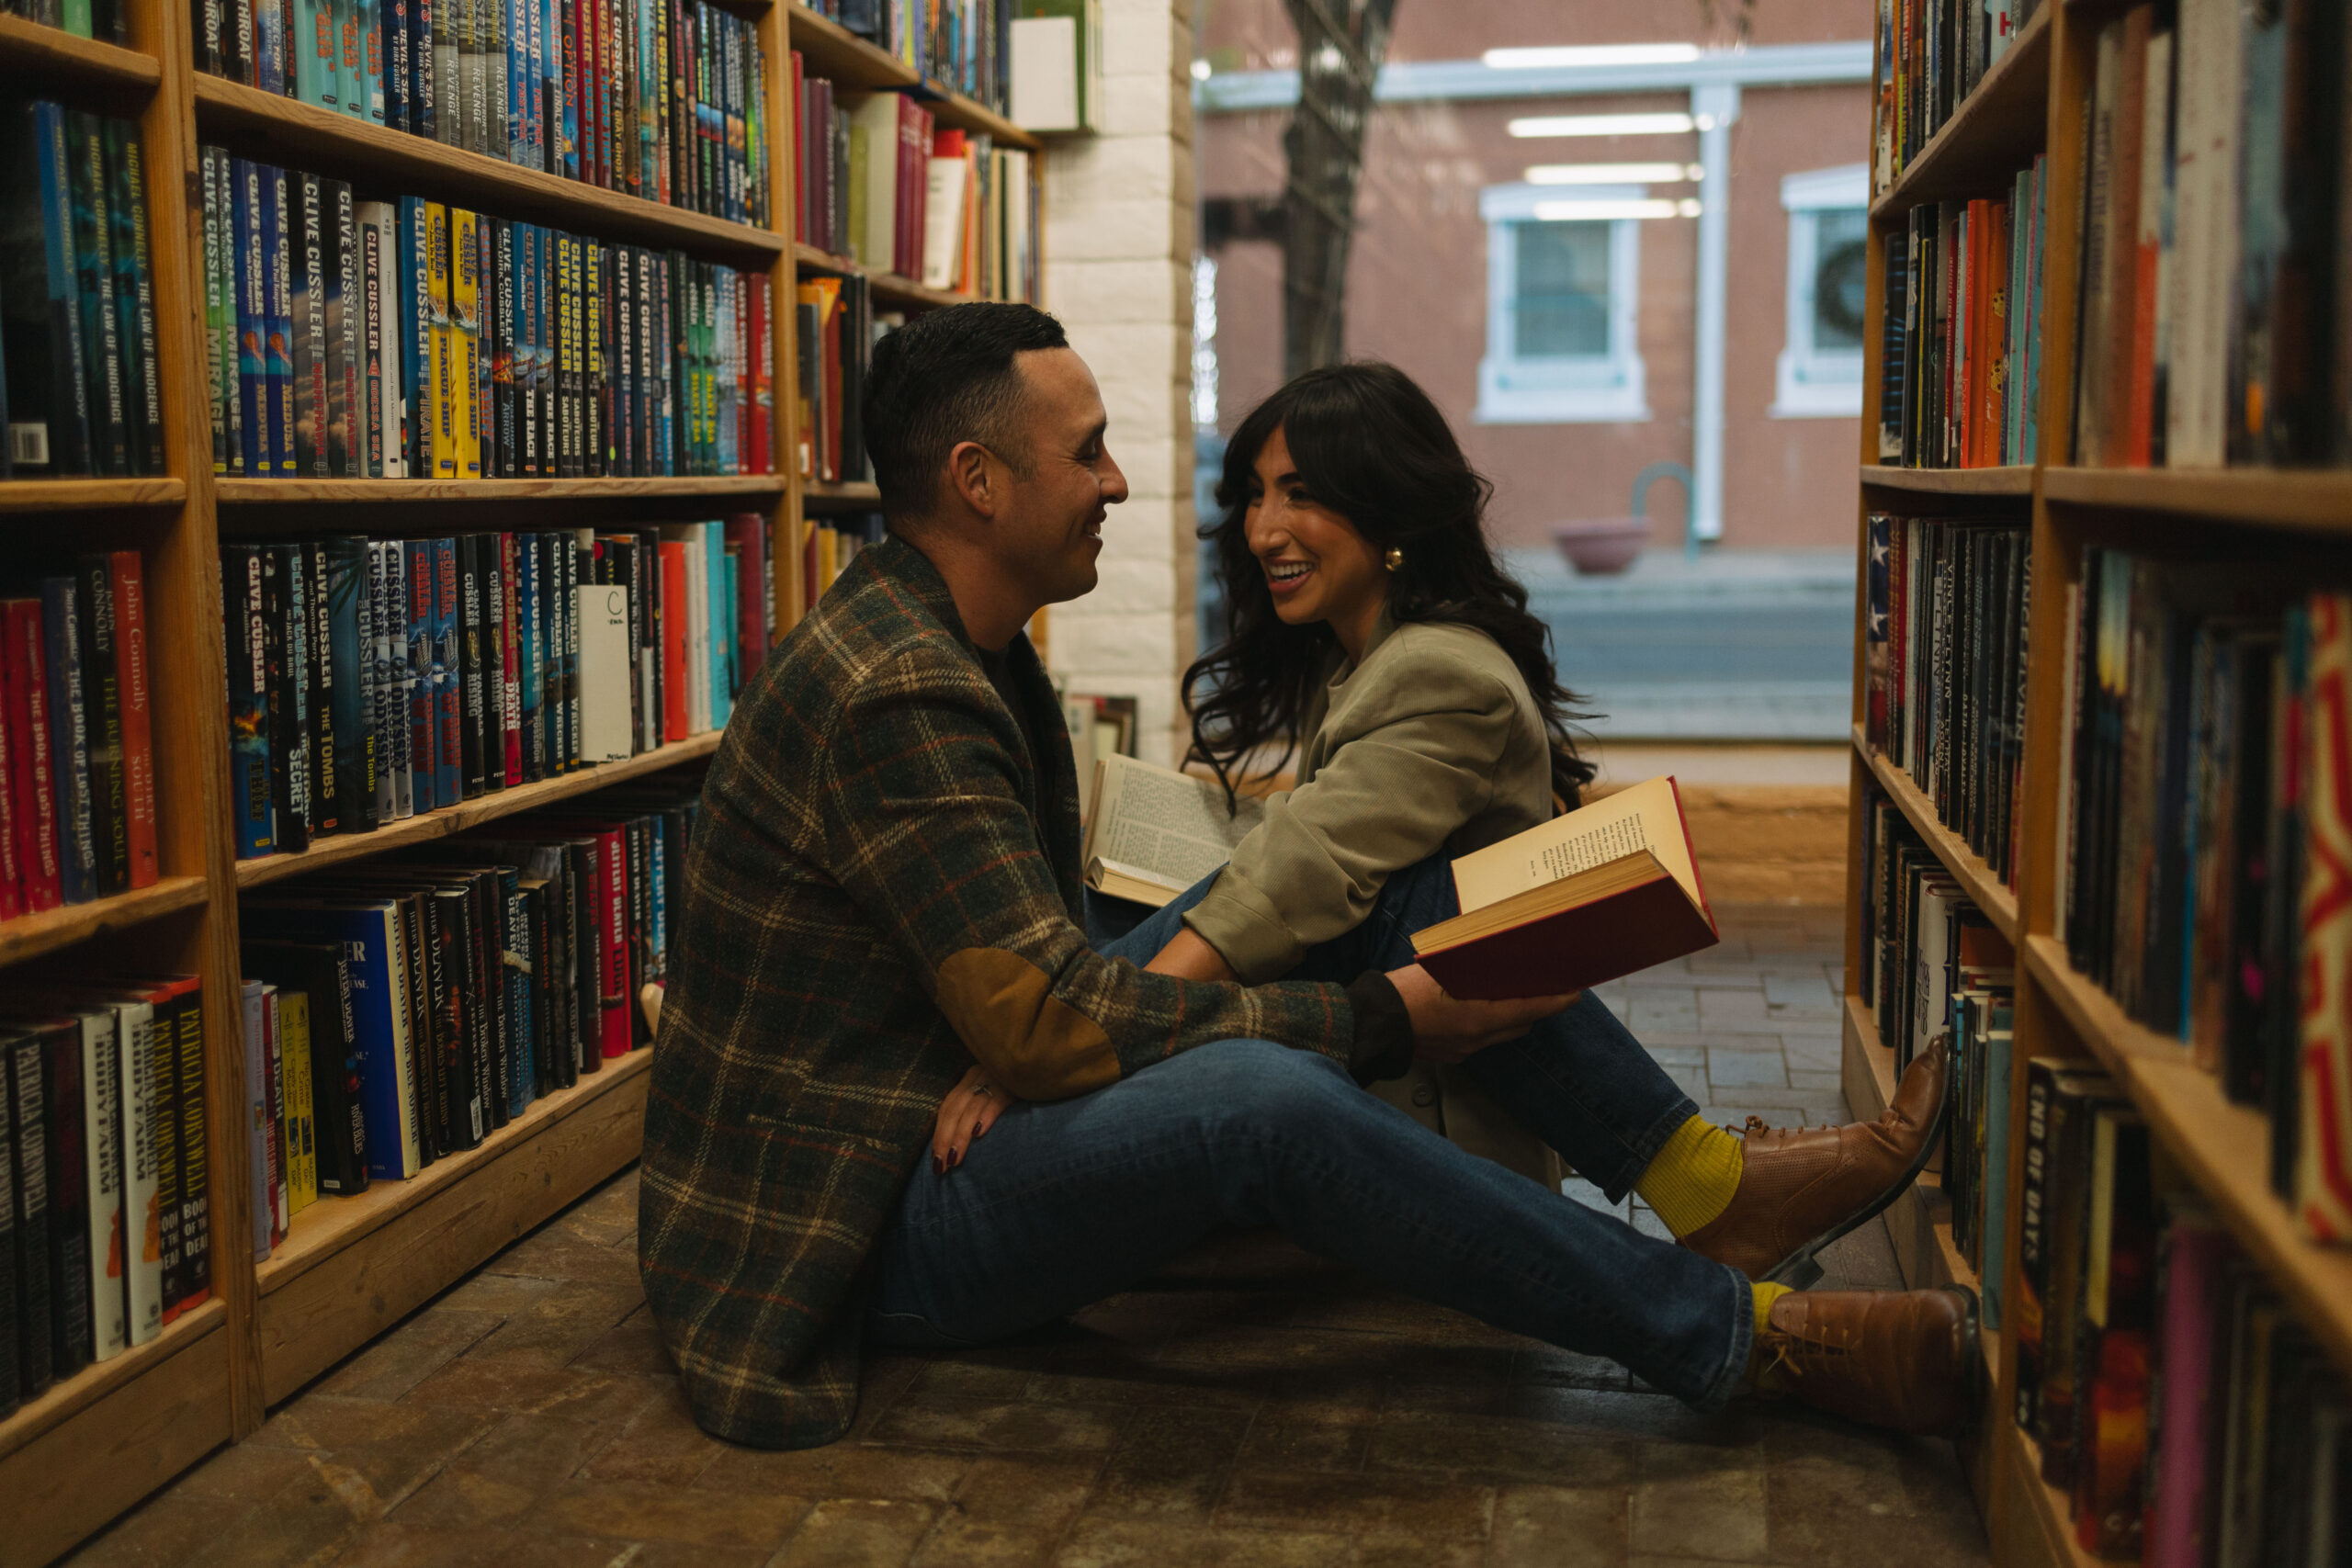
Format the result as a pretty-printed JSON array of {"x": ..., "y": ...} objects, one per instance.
[{"x": 465, "y": 340}]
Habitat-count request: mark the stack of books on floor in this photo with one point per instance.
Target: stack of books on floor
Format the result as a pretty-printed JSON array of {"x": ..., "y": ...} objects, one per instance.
[
  {"x": 881, "y": 183},
  {"x": 662, "y": 99},
  {"x": 82, "y": 395},
  {"x": 373, "y": 680},
  {"x": 2201, "y": 836},
  {"x": 385, "y": 339},
  {"x": 77, "y": 756},
  {"x": 1944, "y": 669},
  {"x": 1931, "y": 55},
  {"x": 102, "y": 1144},
  {"x": 1960, "y": 362},
  {"x": 2175, "y": 1401},
  {"x": 399, "y": 1011},
  {"x": 2214, "y": 318},
  {"x": 962, "y": 45}
]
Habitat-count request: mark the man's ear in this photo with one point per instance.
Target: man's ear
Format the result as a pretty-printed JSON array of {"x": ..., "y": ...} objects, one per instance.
[{"x": 971, "y": 469}]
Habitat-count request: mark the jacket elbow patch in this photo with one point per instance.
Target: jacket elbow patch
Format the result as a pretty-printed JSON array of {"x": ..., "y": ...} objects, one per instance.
[{"x": 1003, "y": 1008}]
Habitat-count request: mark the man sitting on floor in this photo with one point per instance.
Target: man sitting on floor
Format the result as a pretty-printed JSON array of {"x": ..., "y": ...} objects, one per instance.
[{"x": 883, "y": 886}]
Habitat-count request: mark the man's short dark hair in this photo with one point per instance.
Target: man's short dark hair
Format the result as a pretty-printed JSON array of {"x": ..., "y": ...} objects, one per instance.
[{"x": 947, "y": 376}]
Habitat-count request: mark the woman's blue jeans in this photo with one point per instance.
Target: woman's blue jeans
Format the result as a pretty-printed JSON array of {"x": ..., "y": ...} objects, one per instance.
[{"x": 1061, "y": 1204}]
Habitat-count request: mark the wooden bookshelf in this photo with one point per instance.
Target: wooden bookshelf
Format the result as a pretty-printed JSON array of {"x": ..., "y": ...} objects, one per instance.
[
  {"x": 88, "y": 495},
  {"x": 319, "y": 141},
  {"x": 1995, "y": 132},
  {"x": 847, "y": 496},
  {"x": 2009, "y": 480},
  {"x": 834, "y": 53},
  {"x": 339, "y": 848},
  {"x": 1977, "y": 878},
  {"x": 2037, "y": 99},
  {"x": 2309, "y": 500},
  {"x": 58, "y": 61},
  {"x": 392, "y": 492},
  {"x": 352, "y": 1267},
  {"x": 93, "y": 1445},
  {"x": 888, "y": 288}
]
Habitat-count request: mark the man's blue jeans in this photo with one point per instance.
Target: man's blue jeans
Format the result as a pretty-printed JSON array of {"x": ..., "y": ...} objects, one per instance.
[{"x": 1064, "y": 1204}]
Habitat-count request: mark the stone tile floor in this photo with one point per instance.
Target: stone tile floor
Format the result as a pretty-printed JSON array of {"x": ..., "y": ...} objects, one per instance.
[{"x": 1250, "y": 1405}]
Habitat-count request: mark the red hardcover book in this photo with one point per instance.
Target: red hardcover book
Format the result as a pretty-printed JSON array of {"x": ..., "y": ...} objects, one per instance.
[
  {"x": 14, "y": 746},
  {"x": 510, "y": 705},
  {"x": 800, "y": 184},
  {"x": 747, "y": 534},
  {"x": 609, "y": 903},
  {"x": 674, "y": 640},
  {"x": 138, "y": 712},
  {"x": 1585, "y": 898},
  {"x": 33, "y": 785}
]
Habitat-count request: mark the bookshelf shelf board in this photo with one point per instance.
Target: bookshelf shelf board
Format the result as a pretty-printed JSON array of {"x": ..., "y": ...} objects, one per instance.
[
  {"x": 2225, "y": 1148},
  {"x": 29, "y": 936},
  {"x": 1995, "y": 132},
  {"x": 94, "y": 1444},
  {"x": 43, "y": 53},
  {"x": 320, "y": 140},
  {"x": 1975, "y": 877},
  {"x": 888, "y": 287},
  {"x": 338, "y": 848},
  {"x": 841, "y": 56},
  {"x": 2051, "y": 1529},
  {"x": 2314, "y": 499},
  {"x": 352, "y": 1267},
  {"x": 849, "y": 496},
  {"x": 268, "y": 492},
  {"x": 2009, "y": 480},
  {"x": 84, "y": 495},
  {"x": 65, "y": 1400}
]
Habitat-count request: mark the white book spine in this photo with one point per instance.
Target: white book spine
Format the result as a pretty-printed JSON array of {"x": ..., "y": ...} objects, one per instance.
[
  {"x": 103, "y": 1178},
  {"x": 403, "y": 1063},
  {"x": 142, "y": 1210}
]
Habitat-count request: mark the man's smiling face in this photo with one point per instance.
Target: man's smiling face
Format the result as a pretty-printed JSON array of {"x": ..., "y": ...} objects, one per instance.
[{"x": 1063, "y": 486}]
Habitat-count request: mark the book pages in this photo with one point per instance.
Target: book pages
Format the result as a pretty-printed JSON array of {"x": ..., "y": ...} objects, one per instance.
[
  {"x": 1646, "y": 816},
  {"x": 1158, "y": 827}
]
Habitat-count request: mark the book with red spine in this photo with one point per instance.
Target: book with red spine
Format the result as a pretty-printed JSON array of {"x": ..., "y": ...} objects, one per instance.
[
  {"x": 14, "y": 746},
  {"x": 674, "y": 640},
  {"x": 747, "y": 532},
  {"x": 510, "y": 683},
  {"x": 34, "y": 785},
  {"x": 129, "y": 583}
]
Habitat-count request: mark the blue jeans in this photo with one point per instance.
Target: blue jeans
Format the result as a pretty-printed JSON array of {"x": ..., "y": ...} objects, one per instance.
[{"x": 1061, "y": 1204}]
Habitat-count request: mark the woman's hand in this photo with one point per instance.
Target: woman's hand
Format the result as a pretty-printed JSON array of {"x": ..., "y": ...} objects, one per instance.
[
  {"x": 1447, "y": 1029},
  {"x": 1188, "y": 956},
  {"x": 970, "y": 1109}
]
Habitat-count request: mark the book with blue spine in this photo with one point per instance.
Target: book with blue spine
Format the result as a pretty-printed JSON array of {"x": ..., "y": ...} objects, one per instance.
[
  {"x": 270, "y": 44},
  {"x": 417, "y": 567},
  {"x": 449, "y": 738},
  {"x": 317, "y": 53},
  {"x": 528, "y": 653},
  {"x": 369, "y": 933},
  {"x": 391, "y": 30},
  {"x": 47, "y": 424},
  {"x": 719, "y": 624},
  {"x": 69, "y": 739},
  {"x": 241, "y": 568},
  {"x": 95, "y": 286},
  {"x": 278, "y": 342},
  {"x": 566, "y": 691},
  {"x": 424, "y": 89}
]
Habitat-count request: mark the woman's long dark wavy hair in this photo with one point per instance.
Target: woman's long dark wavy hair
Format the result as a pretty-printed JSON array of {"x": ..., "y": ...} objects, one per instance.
[{"x": 1372, "y": 447}]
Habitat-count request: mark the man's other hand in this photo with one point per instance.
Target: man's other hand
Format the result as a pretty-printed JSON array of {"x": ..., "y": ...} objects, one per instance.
[{"x": 1447, "y": 1029}]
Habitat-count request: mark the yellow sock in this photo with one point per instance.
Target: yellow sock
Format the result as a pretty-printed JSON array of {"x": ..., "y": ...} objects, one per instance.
[
  {"x": 1758, "y": 1374},
  {"x": 1693, "y": 1179}
]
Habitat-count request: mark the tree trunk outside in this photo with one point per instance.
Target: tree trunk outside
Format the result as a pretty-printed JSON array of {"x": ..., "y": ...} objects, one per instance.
[{"x": 1340, "y": 45}]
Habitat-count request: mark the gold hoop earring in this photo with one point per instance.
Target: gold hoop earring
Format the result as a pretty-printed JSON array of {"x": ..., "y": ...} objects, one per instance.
[{"x": 1395, "y": 558}]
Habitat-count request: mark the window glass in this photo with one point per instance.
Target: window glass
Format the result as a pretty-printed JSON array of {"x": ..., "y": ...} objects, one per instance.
[
  {"x": 1563, "y": 305},
  {"x": 1838, "y": 280}
]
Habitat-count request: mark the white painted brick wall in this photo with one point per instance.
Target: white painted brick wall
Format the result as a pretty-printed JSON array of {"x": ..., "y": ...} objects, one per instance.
[{"x": 1118, "y": 245}]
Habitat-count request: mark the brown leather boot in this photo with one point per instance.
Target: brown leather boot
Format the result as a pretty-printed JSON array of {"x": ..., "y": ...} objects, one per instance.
[
  {"x": 1800, "y": 1189},
  {"x": 1901, "y": 1358}
]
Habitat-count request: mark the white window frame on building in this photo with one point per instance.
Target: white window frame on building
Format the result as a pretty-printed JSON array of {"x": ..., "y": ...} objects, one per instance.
[
  {"x": 1810, "y": 382},
  {"x": 1608, "y": 388}
]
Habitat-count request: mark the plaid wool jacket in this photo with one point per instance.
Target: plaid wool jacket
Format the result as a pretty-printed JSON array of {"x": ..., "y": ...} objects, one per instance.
[{"x": 871, "y": 903}]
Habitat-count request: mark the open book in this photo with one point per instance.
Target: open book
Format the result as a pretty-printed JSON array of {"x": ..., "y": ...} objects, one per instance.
[
  {"x": 1585, "y": 897},
  {"x": 1152, "y": 832}
]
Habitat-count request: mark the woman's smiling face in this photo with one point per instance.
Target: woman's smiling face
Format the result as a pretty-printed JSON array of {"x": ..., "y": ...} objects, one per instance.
[{"x": 1318, "y": 567}]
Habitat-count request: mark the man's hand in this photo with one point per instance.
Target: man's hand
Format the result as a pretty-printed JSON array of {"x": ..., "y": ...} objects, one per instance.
[
  {"x": 970, "y": 1109},
  {"x": 1446, "y": 1028}
]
